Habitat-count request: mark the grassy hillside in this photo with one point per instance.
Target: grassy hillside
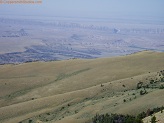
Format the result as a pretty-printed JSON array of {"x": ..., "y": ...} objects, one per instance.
[{"x": 75, "y": 90}]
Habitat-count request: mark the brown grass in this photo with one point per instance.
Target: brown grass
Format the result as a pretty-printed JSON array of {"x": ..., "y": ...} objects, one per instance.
[{"x": 32, "y": 89}]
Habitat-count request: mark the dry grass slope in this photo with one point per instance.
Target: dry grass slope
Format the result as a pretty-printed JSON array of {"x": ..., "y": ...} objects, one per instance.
[{"x": 75, "y": 90}]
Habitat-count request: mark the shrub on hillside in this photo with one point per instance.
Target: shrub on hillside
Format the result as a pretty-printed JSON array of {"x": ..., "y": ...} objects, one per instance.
[
  {"x": 116, "y": 118},
  {"x": 143, "y": 92},
  {"x": 153, "y": 119},
  {"x": 139, "y": 85}
]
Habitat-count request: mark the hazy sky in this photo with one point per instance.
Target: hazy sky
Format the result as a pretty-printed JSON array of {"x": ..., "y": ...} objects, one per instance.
[{"x": 88, "y": 8}]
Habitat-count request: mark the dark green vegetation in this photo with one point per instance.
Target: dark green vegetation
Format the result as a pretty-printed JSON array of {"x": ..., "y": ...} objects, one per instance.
[
  {"x": 153, "y": 119},
  {"x": 119, "y": 118},
  {"x": 116, "y": 118}
]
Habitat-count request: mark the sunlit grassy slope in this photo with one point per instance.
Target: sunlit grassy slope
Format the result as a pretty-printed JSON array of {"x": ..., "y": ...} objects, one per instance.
[{"x": 75, "y": 90}]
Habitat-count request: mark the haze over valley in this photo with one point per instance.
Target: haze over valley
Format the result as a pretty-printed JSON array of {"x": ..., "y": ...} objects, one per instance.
[
  {"x": 82, "y": 61},
  {"x": 58, "y": 38}
]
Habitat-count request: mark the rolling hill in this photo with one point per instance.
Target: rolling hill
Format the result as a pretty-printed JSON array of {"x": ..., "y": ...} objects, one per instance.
[{"x": 75, "y": 90}]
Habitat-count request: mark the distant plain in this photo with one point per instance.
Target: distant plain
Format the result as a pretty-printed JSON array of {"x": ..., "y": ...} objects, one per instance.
[
  {"x": 67, "y": 70},
  {"x": 38, "y": 39}
]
